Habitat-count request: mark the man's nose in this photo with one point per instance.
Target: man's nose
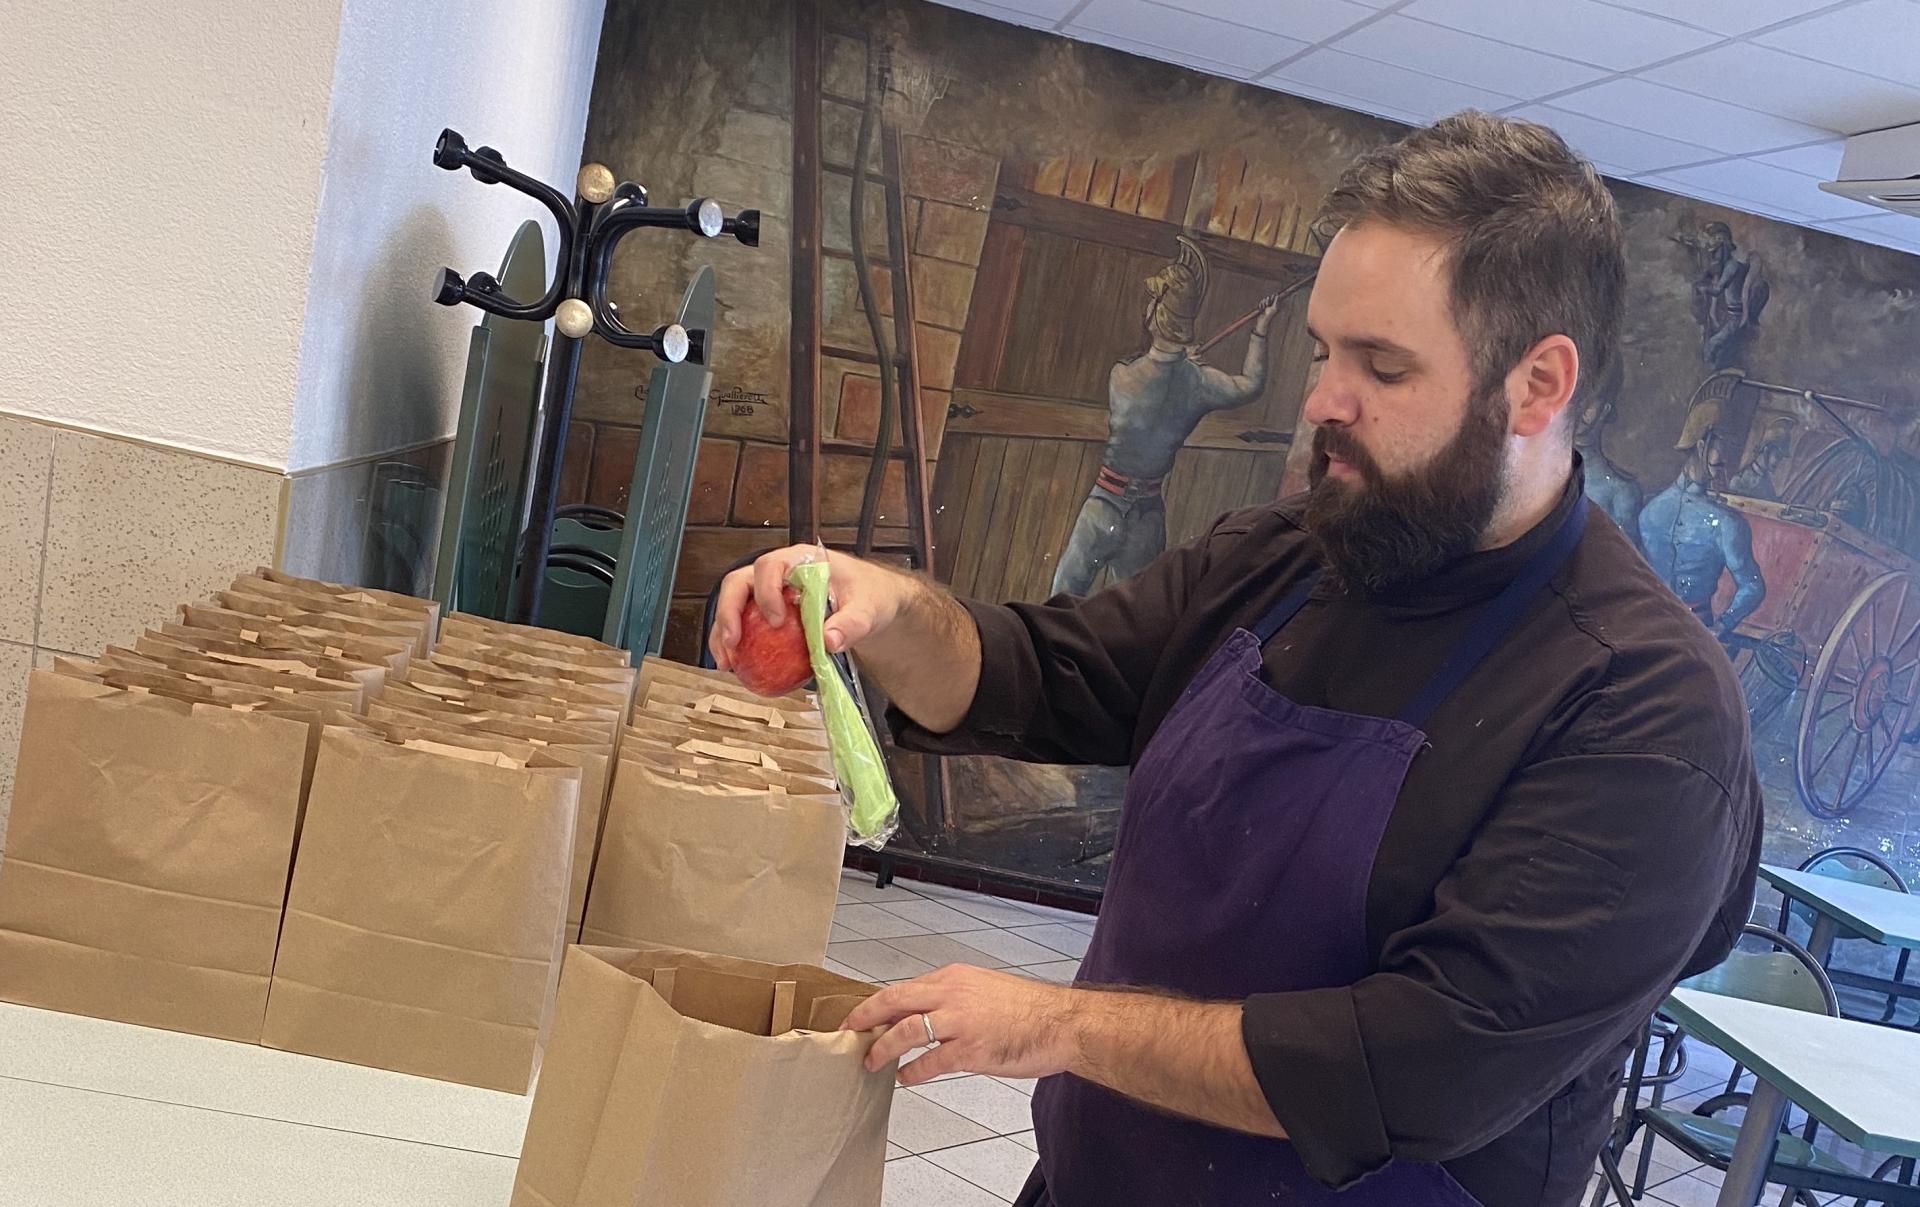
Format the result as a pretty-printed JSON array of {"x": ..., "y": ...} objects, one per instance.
[{"x": 1328, "y": 403}]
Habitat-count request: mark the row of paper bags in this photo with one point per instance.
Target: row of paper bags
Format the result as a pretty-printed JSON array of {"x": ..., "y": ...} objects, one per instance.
[{"x": 328, "y": 820}]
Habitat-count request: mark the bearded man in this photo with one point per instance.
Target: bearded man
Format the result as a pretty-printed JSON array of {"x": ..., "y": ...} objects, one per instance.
[{"x": 1436, "y": 788}]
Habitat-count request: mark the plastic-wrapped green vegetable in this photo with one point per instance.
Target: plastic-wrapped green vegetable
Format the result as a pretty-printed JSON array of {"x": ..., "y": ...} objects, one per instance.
[{"x": 864, "y": 784}]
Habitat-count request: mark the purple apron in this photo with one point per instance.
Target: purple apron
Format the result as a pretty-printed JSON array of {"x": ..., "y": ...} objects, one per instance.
[{"x": 1241, "y": 867}]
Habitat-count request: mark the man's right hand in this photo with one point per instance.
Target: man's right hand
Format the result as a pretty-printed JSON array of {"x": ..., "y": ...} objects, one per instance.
[
  {"x": 867, "y": 598},
  {"x": 919, "y": 644}
]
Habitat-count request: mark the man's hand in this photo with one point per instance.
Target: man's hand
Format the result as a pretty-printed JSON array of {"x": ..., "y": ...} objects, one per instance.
[
  {"x": 913, "y": 638},
  {"x": 1181, "y": 1056},
  {"x": 866, "y": 598},
  {"x": 986, "y": 1022}
]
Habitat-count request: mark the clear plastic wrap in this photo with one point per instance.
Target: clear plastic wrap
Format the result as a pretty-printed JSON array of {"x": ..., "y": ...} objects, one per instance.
[{"x": 873, "y": 811}]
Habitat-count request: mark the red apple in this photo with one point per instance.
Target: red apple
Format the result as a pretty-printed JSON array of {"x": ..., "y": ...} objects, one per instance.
[{"x": 772, "y": 661}]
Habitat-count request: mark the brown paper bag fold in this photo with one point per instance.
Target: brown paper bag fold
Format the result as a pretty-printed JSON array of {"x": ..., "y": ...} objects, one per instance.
[
  {"x": 670, "y": 1080},
  {"x": 148, "y": 853},
  {"x": 424, "y": 923}
]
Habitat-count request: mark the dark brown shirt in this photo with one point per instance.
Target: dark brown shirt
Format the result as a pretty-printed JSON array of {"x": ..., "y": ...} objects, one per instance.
[{"x": 1581, "y": 831}]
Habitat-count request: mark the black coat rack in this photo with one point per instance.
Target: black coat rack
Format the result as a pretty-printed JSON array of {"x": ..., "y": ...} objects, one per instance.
[{"x": 591, "y": 227}]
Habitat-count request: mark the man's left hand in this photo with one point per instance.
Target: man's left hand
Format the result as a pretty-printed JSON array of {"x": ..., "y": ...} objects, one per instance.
[{"x": 986, "y": 1022}]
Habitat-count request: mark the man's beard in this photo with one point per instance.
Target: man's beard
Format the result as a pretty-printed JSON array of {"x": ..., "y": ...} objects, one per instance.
[{"x": 1386, "y": 532}]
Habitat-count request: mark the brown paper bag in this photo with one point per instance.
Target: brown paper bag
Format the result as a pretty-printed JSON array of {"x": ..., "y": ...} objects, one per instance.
[
  {"x": 700, "y": 679},
  {"x": 521, "y": 639},
  {"x": 148, "y": 854},
  {"x": 730, "y": 745},
  {"x": 700, "y": 1081},
  {"x": 576, "y": 747},
  {"x": 424, "y": 923},
  {"x": 544, "y": 665},
  {"x": 689, "y": 860},
  {"x": 468, "y": 622},
  {"x": 775, "y": 731},
  {"x": 394, "y": 653},
  {"x": 470, "y": 700},
  {"x": 348, "y": 695},
  {"x": 426, "y": 609},
  {"x": 311, "y": 595},
  {"x": 793, "y": 710},
  {"x": 341, "y": 618},
  {"x": 370, "y": 677},
  {"x": 496, "y": 675}
]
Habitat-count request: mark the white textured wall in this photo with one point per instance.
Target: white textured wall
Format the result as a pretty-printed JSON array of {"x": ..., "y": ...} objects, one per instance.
[
  {"x": 159, "y": 171},
  {"x": 380, "y": 365}
]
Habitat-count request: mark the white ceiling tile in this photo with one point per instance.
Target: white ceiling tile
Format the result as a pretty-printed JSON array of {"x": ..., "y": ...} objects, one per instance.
[
  {"x": 1730, "y": 17},
  {"x": 1878, "y": 37},
  {"x": 1035, "y": 14},
  {"x": 1658, "y": 109},
  {"x": 1465, "y": 58},
  {"x": 1883, "y": 224},
  {"x": 1634, "y": 150},
  {"x": 1310, "y": 20},
  {"x": 1817, "y": 94},
  {"x": 1745, "y": 205},
  {"x": 1821, "y": 161},
  {"x": 1771, "y": 185},
  {"x": 1199, "y": 37},
  {"x": 1617, "y": 38},
  {"x": 1340, "y": 100},
  {"x": 1382, "y": 83},
  {"x": 1162, "y": 54}
]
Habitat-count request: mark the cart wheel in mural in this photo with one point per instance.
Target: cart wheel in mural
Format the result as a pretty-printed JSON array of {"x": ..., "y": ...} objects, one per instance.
[{"x": 1861, "y": 697}]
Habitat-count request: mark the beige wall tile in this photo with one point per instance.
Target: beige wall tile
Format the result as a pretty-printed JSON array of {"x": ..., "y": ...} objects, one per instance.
[
  {"x": 134, "y": 531},
  {"x": 16, "y": 661},
  {"x": 26, "y": 458}
]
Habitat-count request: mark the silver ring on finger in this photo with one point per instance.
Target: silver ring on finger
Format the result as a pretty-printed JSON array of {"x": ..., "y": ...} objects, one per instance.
[{"x": 926, "y": 1020}]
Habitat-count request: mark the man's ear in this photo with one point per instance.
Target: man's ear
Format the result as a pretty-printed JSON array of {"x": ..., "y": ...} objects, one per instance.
[{"x": 1542, "y": 384}]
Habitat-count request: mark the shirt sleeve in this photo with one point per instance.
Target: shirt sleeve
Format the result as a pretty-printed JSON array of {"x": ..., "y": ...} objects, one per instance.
[
  {"x": 1062, "y": 681},
  {"x": 1573, "y": 912}
]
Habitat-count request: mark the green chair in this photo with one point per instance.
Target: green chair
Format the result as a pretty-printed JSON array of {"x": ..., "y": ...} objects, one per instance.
[
  {"x": 1785, "y": 976},
  {"x": 591, "y": 526},
  {"x": 579, "y": 583},
  {"x": 1861, "y": 867},
  {"x": 662, "y": 486},
  {"x": 487, "y": 478}
]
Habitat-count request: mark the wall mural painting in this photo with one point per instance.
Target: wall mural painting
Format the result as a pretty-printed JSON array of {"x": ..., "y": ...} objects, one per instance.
[{"x": 1095, "y": 270}]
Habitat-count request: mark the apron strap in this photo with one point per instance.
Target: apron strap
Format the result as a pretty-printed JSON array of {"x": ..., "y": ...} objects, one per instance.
[
  {"x": 1497, "y": 619},
  {"x": 1288, "y": 607}
]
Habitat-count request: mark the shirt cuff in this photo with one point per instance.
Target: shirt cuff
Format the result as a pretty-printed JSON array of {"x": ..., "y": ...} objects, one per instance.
[
  {"x": 1004, "y": 702},
  {"x": 1311, "y": 1062}
]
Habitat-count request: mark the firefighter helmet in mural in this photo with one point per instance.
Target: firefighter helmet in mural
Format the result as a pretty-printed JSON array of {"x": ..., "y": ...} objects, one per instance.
[{"x": 1177, "y": 292}]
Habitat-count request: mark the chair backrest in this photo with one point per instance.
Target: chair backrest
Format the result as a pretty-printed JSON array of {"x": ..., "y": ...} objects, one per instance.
[
  {"x": 574, "y": 596},
  {"x": 1786, "y": 976},
  {"x": 592, "y": 534},
  {"x": 1843, "y": 863},
  {"x": 1858, "y": 865},
  {"x": 487, "y": 478},
  {"x": 662, "y": 486}
]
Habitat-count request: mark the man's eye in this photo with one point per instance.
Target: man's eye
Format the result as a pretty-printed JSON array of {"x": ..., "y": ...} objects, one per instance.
[
  {"x": 1385, "y": 378},
  {"x": 1319, "y": 354}
]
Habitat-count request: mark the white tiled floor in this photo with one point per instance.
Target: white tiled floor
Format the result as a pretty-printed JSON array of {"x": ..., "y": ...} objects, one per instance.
[{"x": 960, "y": 1141}]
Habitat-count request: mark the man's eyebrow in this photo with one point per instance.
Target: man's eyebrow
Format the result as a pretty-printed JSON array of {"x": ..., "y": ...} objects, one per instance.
[{"x": 1368, "y": 343}]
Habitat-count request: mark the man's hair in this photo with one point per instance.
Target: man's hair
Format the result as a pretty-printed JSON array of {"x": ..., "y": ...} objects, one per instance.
[{"x": 1533, "y": 237}]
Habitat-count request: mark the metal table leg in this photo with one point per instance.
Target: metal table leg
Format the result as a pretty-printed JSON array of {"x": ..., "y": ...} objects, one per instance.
[
  {"x": 1753, "y": 1151},
  {"x": 1820, "y": 943}
]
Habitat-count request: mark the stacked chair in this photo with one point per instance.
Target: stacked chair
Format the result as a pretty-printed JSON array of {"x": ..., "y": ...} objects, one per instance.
[{"x": 608, "y": 574}]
